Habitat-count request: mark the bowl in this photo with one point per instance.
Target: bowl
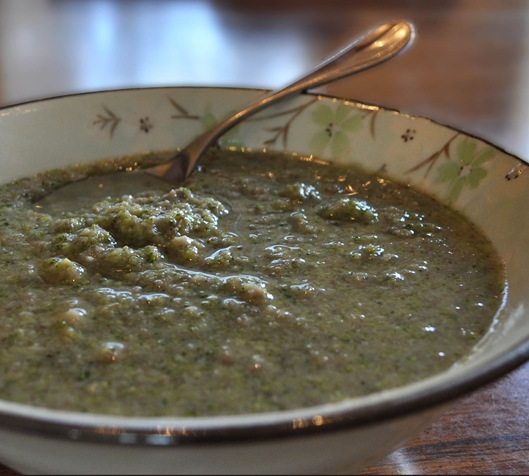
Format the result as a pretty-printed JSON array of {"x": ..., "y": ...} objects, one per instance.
[{"x": 343, "y": 436}]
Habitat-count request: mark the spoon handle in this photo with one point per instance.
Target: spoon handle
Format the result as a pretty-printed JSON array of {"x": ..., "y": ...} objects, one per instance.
[{"x": 373, "y": 47}]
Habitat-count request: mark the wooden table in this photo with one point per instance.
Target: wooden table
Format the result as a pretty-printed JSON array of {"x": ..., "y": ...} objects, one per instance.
[{"x": 469, "y": 68}]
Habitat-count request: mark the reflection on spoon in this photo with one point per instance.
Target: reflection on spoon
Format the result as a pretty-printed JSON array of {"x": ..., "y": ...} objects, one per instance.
[{"x": 90, "y": 190}]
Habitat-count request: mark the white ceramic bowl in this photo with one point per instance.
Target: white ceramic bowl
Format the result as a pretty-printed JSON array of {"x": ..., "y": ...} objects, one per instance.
[{"x": 485, "y": 183}]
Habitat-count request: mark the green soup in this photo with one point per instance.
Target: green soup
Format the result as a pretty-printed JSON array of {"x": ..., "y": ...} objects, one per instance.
[{"x": 263, "y": 283}]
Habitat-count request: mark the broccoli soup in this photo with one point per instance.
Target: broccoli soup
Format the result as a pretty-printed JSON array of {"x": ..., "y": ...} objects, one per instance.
[{"x": 262, "y": 283}]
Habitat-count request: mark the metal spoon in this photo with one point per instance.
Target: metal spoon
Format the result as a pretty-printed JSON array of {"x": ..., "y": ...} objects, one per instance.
[{"x": 369, "y": 49}]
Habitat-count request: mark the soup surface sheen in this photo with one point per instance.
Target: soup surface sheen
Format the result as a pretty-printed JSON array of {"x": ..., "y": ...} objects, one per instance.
[{"x": 263, "y": 283}]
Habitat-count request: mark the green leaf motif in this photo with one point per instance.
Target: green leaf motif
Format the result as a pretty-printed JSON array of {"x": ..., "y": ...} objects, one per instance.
[
  {"x": 340, "y": 144},
  {"x": 465, "y": 169},
  {"x": 319, "y": 142},
  {"x": 476, "y": 175},
  {"x": 352, "y": 124},
  {"x": 466, "y": 151},
  {"x": 323, "y": 115},
  {"x": 341, "y": 113},
  {"x": 229, "y": 138},
  {"x": 448, "y": 171},
  {"x": 335, "y": 128},
  {"x": 456, "y": 189},
  {"x": 208, "y": 120},
  {"x": 484, "y": 156}
]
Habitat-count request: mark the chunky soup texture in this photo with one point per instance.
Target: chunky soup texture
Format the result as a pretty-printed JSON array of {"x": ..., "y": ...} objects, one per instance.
[{"x": 263, "y": 283}]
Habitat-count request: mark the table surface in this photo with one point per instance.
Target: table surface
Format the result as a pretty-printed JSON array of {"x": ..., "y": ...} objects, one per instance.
[{"x": 469, "y": 68}]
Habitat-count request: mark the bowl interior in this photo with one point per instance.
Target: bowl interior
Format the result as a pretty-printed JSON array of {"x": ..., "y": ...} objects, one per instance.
[{"x": 487, "y": 184}]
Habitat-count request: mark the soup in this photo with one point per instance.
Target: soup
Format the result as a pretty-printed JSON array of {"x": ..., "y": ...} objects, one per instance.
[{"x": 263, "y": 283}]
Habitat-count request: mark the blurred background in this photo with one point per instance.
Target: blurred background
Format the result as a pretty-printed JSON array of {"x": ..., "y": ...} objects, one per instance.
[{"x": 469, "y": 68}]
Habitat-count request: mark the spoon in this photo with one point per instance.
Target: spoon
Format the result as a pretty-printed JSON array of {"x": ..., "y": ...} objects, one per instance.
[{"x": 365, "y": 51}]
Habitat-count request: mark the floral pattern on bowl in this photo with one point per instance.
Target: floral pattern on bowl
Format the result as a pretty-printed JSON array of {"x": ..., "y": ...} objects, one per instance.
[{"x": 458, "y": 163}]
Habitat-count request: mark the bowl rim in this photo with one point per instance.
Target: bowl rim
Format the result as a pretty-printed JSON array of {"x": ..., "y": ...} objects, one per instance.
[{"x": 322, "y": 419}]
